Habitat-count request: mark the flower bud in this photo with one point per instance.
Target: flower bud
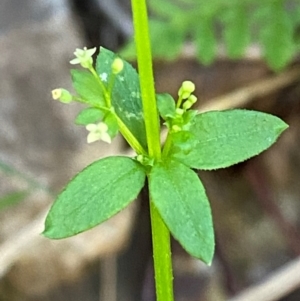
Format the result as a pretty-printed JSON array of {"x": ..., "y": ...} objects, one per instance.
[
  {"x": 187, "y": 105},
  {"x": 117, "y": 65},
  {"x": 140, "y": 158},
  {"x": 189, "y": 102},
  {"x": 186, "y": 89},
  {"x": 62, "y": 95},
  {"x": 192, "y": 99},
  {"x": 179, "y": 112},
  {"x": 176, "y": 128}
]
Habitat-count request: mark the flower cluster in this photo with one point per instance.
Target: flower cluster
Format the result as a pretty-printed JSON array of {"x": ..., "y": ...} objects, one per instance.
[
  {"x": 99, "y": 119},
  {"x": 185, "y": 92}
]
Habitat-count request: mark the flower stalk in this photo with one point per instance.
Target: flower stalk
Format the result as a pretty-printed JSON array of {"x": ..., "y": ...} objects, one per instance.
[{"x": 160, "y": 233}]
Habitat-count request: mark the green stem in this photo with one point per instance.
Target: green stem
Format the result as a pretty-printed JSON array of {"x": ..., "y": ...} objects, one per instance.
[
  {"x": 160, "y": 233},
  {"x": 179, "y": 102},
  {"x": 167, "y": 145},
  {"x": 144, "y": 58},
  {"x": 130, "y": 138},
  {"x": 161, "y": 257}
]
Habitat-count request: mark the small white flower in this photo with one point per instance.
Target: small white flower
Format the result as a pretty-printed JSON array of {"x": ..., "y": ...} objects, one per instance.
[
  {"x": 98, "y": 132},
  {"x": 83, "y": 57}
]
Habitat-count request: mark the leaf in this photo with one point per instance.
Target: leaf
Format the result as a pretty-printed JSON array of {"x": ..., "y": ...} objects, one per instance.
[
  {"x": 166, "y": 105},
  {"x": 183, "y": 142},
  {"x": 236, "y": 31},
  {"x": 164, "y": 8},
  {"x": 112, "y": 123},
  {"x": 87, "y": 87},
  {"x": 166, "y": 39},
  {"x": 98, "y": 192},
  {"x": 12, "y": 198},
  {"x": 277, "y": 37},
  {"x": 126, "y": 95},
  {"x": 205, "y": 41},
  {"x": 89, "y": 115},
  {"x": 228, "y": 137},
  {"x": 180, "y": 198}
]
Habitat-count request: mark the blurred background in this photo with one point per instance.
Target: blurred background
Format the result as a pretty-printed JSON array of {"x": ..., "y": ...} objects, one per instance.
[{"x": 239, "y": 54}]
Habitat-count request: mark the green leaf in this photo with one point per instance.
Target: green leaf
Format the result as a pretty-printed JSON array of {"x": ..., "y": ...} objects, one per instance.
[
  {"x": 180, "y": 198},
  {"x": 126, "y": 95},
  {"x": 12, "y": 198},
  {"x": 188, "y": 118},
  {"x": 89, "y": 115},
  {"x": 165, "y": 8},
  {"x": 236, "y": 30},
  {"x": 166, "y": 105},
  {"x": 112, "y": 123},
  {"x": 98, "y": 192},
  {"x": 205, "y": 41},
  {"x": 166, "y": 39},
  {"x": 277, "y": 37},
  {"x": 183, "y": 142},
  {"x": 228, "y": 137},
  {"x": 87, "y": 87}
]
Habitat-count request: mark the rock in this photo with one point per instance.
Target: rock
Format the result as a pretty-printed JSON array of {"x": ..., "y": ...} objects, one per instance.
[{"x": 42, "y": 147}]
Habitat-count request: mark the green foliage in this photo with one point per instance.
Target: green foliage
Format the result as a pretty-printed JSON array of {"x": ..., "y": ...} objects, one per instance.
[
  {"x": 89, "y": 115},
  {"x": 206, "y": 44},
  {"x": 271, "y": 23},
  {"x": 221, "y": 139},
  {"x": 166, "y": 106},
  {"x": 237, "y": 34},
  {"x": 125, "y": 94},
  {"x": 178, "y": 201},
  {"x": 87, "y": 88},
  {"x": 208, "y": 141},
  {"x": 98, "y": 192},
  {"x": 277, "y": 35},
  {"x": 180, "y": 198},
  {"x": 112, "y": 123}
]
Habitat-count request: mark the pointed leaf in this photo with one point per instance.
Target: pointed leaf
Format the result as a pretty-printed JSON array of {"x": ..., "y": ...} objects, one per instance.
[
  {"x": 112, "y": 123},
  {"x": 228, "y": 137},
  {"x": 87, "y": 87},
  {"x": 166, "y": 38},
  {"x": 89, "y": 115},
  {"x": 165, "y": 9},
  {"x": 236, "y": 30},
  {"x": 277, "y": 36},
  {"x": 205, "y": 41},
  {"x": 126, "y": 95},
  {"x": 166, "y": 105},
  {"x": 180, "y": 198},
  {"x": 98, "y": 192}
]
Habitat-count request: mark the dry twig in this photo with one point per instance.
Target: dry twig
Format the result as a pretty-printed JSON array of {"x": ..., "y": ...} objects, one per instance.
[
  {"x": 243, "y": 96},
  {"x": 276, "y": 286}
]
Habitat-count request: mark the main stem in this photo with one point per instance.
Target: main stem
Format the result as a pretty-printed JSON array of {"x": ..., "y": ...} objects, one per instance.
[{"x": 160, "y": 233}]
